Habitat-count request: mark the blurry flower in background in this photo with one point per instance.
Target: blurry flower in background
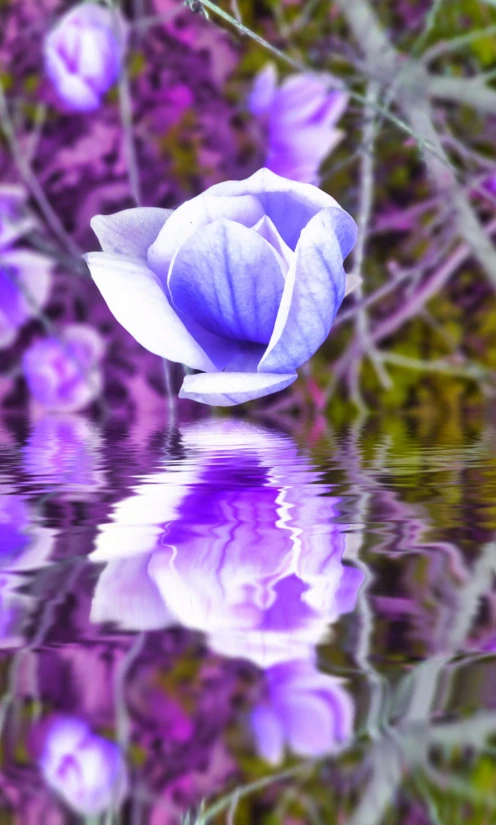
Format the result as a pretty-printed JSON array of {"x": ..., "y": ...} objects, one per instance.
[
  {"x": 308, "y": 712},
  {"x": 83, "y": 55},
  {"x": 186, "y": 285},
  {"x": 86, "y": 770},
  {"x": 299, "y": 118},
  {"x": 25, "y": 276},
  {"x": 64, "y": 373}
]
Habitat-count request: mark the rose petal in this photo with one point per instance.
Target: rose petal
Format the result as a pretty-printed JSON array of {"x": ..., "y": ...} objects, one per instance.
[
  {"x": 223, "y": 389},
  {"x": 313, "y": 291},
  {"x": 228, "y": 279},
  {"x": 289, "y": 204},
  {"x": 130, "y": 232},
  {"x": 136, "y": 298},
  {"x": 193, "y": 215}
]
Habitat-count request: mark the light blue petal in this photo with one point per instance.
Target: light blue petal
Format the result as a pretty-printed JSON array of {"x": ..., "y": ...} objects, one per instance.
[
  {"x": 195, "y": 214},
  {"x": 130, "y": 232},
  {"x": 288, "y": 203},
  {"x": 313, "y": 292},
  {"x": 229, "y": 280},
  {"x": 136, "y": 298},
  {"x": 224, "y": 389}
]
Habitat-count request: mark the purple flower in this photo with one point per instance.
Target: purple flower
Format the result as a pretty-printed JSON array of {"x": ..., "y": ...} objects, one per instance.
[
  {"x": 85, "y": 769},
  {"x": 63, "y": 374},
  {"x": 309, "y": 712},
  {"x": 83, "y": 55},
  {"x": 238, "y": 543},
  {"x": 299, "y": 117},
  {"x": 242, "y": 282},
  {"x": 24, "y": 275}
]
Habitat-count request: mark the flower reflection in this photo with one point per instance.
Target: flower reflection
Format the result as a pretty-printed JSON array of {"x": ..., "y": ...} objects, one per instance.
[
  {"x": 237, "y": 540},
  {"x": 64, "y": 450},
  {"x": 24, "y": 546},
  {"x": 308, "y": 711},
  {"x": 85, "y": 769}
]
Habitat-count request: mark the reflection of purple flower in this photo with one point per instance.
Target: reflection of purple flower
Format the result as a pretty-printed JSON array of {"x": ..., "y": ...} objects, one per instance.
[
  {"x": 63, "y": 374},
  {"x": 24, "y": 275},
  {"x": 64, "y": 450},
  {"x": 187, "y": 285},
  {"x": 23, "y": 546},
  {"x": 85, "y": 769},
  {"x": 309, "y": 712},
  {"x": 300, "y": 118},
  {"x": 83, "y": 55},
  {"x": 244, "y": 548}
]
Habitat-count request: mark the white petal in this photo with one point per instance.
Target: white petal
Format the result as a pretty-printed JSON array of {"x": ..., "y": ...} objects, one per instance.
[
  {"x": 224, "y": 389},
  {"x": 136, "y": 298}
]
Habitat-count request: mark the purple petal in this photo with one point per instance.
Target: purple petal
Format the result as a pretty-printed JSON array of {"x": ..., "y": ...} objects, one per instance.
[
  {"x": 228, "y": 279},
  {"x": 224, "y": 389},
  {"x": 134, "y": 295},
  {"x": 268, "y": 734},
  {"x": 289, "y": 204},
  {"x": 313, "y": 291},
  {"x": 130, "y": 232},
  {"x": 263, "y": 91},
  {"x": 195, "y": 214}
]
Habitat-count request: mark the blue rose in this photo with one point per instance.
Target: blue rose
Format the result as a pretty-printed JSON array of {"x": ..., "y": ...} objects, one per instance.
[{"x": 241, "y": 283}]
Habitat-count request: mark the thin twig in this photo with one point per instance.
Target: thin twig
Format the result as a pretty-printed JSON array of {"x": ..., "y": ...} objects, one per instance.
[
  {"x": 126, "y": 110},
  {"x": 31, "y": 181},
  {"x": 449, "y": 46}
]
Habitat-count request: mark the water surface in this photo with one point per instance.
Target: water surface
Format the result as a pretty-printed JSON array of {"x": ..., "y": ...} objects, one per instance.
[{"x": 192, "y": 611}]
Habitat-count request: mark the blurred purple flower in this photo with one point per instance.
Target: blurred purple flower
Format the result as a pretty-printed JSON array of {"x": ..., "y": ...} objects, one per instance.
[
  {"x": 83, "y": 55},
  {"x": 63, "y": 374},
  {"x": 309, "y": 712},
  {"x": 87, "y": 771},
  {"x": 24, "y": 275},
  {"x": 240, "y": 544},
  {"x": 299, "y": 117},
  {"x": 187, "y": 285}
]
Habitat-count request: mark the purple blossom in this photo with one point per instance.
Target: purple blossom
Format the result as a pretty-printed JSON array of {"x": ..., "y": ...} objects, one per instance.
[
  {"x": 63, "y": 374},
  {"x": 309, "y": 712},
  {"x": 83, "y": 55},
  {"x": 87, "y": 771},
  {"x": 299, "y": 118},
  {"x": 188, "y": 284},
  {"x": 25, "y": 276},
  {"x": 241, "y": 547}
]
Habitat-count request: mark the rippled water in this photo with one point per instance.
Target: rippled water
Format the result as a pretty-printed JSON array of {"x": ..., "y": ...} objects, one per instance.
[{"x": 188, "y": 613}]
